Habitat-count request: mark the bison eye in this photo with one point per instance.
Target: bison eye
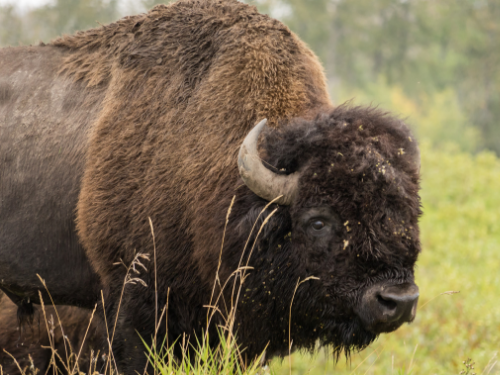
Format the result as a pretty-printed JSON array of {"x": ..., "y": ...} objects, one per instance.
[
  {"x": 320, "y": 223},
  {"x": 317, "y": 224}
]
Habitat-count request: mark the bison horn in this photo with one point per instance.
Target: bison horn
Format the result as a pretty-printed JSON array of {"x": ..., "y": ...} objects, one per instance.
[{"x": 258, "y": 178}]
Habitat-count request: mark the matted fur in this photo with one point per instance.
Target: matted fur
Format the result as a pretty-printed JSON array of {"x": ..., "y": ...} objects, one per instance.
[
  {"x": 182, "y": 86},
  {"x": 186, "y": 82}
]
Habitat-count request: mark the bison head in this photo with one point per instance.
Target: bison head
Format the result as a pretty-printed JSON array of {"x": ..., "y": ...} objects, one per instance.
[{"x": 349, "y": 182}]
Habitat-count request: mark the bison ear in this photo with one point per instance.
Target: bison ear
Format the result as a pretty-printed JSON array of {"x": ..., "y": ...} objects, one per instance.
[{"x": 258, "y": 178}]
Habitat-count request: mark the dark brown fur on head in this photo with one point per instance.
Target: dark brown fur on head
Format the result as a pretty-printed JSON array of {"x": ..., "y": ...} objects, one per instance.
[{"x": 363, "y": 165}]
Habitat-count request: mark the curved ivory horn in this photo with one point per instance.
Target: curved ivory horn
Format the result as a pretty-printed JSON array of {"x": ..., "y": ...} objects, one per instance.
[{"x": 259, "y": 179}]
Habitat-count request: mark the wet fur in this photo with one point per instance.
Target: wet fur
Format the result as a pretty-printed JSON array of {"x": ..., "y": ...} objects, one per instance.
[
  {"x": 364, "y": 164},
  {"x": 183, "y": 85},
  {"x": 186, "y": 82}
]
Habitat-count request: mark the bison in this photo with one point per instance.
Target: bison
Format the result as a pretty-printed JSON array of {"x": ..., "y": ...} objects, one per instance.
[{"x": 139, "y": 139}]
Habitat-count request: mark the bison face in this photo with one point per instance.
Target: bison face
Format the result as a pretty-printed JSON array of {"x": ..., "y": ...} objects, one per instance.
[{"x": 350, "y": 183}]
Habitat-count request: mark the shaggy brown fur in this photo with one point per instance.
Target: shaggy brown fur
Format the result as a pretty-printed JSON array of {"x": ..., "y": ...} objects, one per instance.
[
  {"x": 205, "y": 71},
  {"x": 30, "y": 345},
  {"x": 186, "y": 82},
  {"x": 182, "y": 86}
]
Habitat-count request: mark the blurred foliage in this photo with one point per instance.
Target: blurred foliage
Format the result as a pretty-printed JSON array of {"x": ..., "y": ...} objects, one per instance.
[
  {"x": 65, "y": 17},
  {"x": 422, "y": 47},
  {"x": 11, "y": 26},
  {"x": 54, "y": 19},
  {"x": 148, "y": 4},
  {"x": 434, "y": 116},
  {"x": 446, "y": 50},
  {"x": 460, "y": 240}
]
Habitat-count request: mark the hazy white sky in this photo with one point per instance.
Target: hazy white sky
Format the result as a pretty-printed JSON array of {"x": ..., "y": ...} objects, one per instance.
[
  {"x": 25, "y": 3},
  {"x": 124, "y": 6}
]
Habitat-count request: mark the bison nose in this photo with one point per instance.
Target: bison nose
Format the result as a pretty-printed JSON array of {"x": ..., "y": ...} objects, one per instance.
[
  {"x": 396, "y": 302},
  {"x": 384, "y": 308}
]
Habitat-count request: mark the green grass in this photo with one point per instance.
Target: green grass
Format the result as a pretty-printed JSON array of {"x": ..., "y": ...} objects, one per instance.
[
  {"x": 460, "y": 232},
  {"x": 225, "y": 359}
]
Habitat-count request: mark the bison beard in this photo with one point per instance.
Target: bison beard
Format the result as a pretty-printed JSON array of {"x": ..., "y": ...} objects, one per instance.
[{"x": 175, "y": 92}]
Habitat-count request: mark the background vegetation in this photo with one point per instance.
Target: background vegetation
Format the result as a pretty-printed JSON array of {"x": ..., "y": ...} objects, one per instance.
[
  {"x": 444, "y": 50},
  {"x": 436, "y": 63}
]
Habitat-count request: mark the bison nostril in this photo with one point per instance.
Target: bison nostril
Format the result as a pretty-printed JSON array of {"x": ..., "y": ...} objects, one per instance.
[
  {"x": 387, "y": 303},
  {"x": 386, "y": 307}
]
